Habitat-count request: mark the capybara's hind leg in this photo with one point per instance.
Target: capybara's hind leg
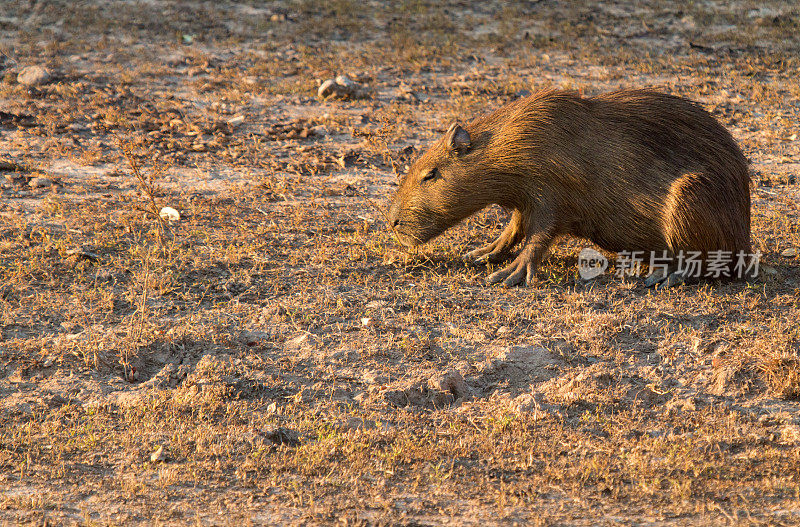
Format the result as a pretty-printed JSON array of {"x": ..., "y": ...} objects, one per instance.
[
  {"x": 498, "y": 250},
  {"x": 702, "y": 217}
]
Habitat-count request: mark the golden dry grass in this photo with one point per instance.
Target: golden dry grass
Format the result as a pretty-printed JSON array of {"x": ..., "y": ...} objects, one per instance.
[{"x": 294, "y": 365}]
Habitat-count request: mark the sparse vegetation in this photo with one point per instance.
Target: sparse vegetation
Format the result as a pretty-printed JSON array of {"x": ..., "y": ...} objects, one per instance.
[{"x": 296, "y": 366}]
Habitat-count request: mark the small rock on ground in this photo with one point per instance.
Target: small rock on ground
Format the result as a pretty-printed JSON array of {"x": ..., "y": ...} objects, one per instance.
[
  {"x": 33, "y": 76},
  {"x": 452, "y": 382},
  {"x": 40, "y": 182},
  {"x": 158, "y": 455},
  {"x": 339, "y": 88}
]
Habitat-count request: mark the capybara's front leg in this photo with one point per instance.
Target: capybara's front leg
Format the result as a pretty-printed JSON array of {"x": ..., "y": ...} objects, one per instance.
[
  {"x": 522, "y": 269},
  {"x": 540, "y": 231},
  {"x": 498, "y": 250}
]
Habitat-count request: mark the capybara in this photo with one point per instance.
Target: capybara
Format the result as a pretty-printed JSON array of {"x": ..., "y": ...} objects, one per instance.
[{"x": 631, "y": 170}]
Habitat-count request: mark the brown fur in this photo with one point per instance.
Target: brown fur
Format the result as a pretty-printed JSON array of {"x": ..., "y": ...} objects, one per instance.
[{"x": 632, "y": 170}]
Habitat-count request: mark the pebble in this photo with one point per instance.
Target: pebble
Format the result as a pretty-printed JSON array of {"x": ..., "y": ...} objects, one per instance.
[
  {"x": 158, "y": 455},
  {"x": 236, "y": 121},
  {"x": 40, "y": 182},
  {"x": 169, "y": 214},
  {"x": 327, "y": 88},
  {"x": 791, "y": 252},
  {"x": 339, "y": 88},
  {"x": 33, "y": 76}
]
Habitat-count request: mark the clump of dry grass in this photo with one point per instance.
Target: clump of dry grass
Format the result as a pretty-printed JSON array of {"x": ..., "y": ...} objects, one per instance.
[{"x": 782, "y": 375}]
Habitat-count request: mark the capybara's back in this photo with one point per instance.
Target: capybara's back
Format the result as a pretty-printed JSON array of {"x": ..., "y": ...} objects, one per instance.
[{"x": 632, "y": 170}]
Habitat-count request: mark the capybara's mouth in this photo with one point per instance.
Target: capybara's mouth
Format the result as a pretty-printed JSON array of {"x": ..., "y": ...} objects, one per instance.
[{"x": 407, "y": 240}]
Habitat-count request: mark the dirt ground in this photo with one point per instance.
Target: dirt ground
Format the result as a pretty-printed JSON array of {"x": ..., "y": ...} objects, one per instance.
[{"x": 274, "y": 357}]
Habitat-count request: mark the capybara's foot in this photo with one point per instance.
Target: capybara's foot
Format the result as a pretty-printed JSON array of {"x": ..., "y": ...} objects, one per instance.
[
  {"x": 519, "y": 272},
  {"x": 478, "y": 255},
  {"x": 492, "y": 253},
  {"x": 500, "y": 249},
  {"x": 655, "y": 278},
  {"x": 674, "y": 279},
  {"x": 661, "y": 280}
]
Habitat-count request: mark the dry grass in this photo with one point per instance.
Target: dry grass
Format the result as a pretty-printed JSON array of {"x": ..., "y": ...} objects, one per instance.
[{"x": 293, "y": 363}]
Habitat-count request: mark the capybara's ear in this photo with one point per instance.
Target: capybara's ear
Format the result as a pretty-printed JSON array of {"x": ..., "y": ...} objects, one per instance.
[{"x": 458, "y": 139}]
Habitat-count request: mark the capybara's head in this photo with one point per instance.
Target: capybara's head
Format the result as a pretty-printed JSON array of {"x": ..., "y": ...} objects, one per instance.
[{"x": 439, "y": 189}]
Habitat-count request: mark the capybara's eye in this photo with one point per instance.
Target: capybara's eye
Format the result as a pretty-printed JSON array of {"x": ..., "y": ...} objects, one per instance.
[{"x": 431, "y": 174}]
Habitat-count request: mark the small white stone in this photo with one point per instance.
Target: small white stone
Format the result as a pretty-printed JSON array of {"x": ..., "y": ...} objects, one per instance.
[
  {"x": 236, "y": 121},
  {"x": 791, "y": 252},
  {"x": 341, "y": 87},
  {"x": 158, "y": 455},
  {"x": 169, "y": 214},
  {"x": 33, "y": 76},
  {"x": 326, "y": 88},
  {"x": 345, "y": 81}
]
